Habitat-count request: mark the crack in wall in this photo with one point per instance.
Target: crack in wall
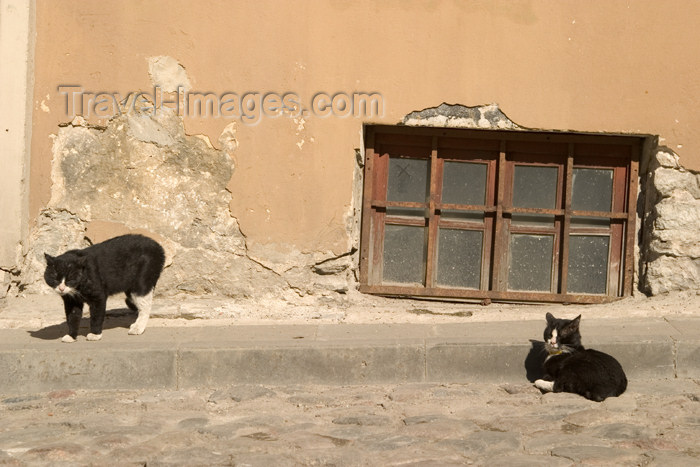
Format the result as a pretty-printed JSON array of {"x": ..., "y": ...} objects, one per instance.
[{"x": 323, "y": 271}]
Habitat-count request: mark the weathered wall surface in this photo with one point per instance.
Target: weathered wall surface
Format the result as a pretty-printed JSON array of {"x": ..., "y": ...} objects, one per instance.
[
  {"x": 16, "y": 102},
  {"x": 286, "y": 214},
  {"x": 551, "y": 65},
  {"x": 141, "y": 173},
  {"x": 671, "y": 248}
]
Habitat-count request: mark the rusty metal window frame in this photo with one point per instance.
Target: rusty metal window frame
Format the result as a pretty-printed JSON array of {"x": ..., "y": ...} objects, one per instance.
[{"x": 501, "y": 151}]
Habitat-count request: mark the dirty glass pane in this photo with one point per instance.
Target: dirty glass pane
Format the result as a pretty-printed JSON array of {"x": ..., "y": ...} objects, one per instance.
[
  {"x": 588, "y": 264},
  {"x": 409, "y": 180},
  {"x": 459, "y": 258},
  {"x": 592, "y": 191},
  {"x": 535, "y": 186},
  {"x": 404, "y": 254},
  {"x": 464, "y": 183},
  {"x": 530, "y": 265}
]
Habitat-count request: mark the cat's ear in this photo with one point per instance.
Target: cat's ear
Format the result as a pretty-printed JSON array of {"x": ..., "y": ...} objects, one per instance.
[
  {"x": 574, "y": 324},
  {"x": 550, "y": 318},
  {"x": 49, "y": 258}
]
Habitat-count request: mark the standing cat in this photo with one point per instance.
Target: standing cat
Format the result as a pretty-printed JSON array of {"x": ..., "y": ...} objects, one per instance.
[
  {"x": 129, "y": 263},
  {"x": 571, "y": 368}
]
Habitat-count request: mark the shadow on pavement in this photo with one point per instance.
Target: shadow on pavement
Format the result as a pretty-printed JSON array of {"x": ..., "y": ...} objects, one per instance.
[
  {"x": 118, "y": 318},
  {"x": 535, "y": 360}
]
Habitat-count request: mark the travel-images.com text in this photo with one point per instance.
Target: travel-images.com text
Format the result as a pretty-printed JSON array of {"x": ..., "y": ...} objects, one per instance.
[{"x": 249, "y": 107}]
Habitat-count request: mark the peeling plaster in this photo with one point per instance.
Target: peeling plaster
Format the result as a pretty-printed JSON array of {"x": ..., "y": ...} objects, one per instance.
[
  {"x": 227, "y": 139},
  {"x": 142, "y": 173},
  {"x": 168, "y": 73},
  {"x": 460, "y": 116}
]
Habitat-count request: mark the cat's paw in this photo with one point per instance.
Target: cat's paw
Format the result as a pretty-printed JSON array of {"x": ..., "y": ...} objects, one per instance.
[
  {"x": 136, "y": 329},
  {"x": 67, "y": 339},
  {"x": 94, "y": 337},
  {"x": 547, "y": 386}
]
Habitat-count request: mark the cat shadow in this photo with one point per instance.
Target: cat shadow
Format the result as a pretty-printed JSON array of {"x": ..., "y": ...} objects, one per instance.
[
  {"x": 117, "y": 318},
  {"x": 535, "y": 360}
]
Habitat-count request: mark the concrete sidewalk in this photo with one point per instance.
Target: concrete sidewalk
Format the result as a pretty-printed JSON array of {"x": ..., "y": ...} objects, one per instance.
[{"x": 216, "y": 356}]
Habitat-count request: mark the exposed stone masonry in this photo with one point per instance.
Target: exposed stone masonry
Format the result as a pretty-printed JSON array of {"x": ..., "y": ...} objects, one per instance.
[
  {"x": 142, "y": 173},
  {"x": 671, "y": 246},
  {"x": 460, "y": 116}
]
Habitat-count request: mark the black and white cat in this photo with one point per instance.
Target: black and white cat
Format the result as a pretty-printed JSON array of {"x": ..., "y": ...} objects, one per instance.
[
  {"x": 571, "y": 368},
  {"x": 129, "y": 263}
]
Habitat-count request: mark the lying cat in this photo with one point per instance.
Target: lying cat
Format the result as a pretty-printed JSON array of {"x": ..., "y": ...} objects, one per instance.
[
  {"x": 129, "y": 263},
  {"x": 571, "y": 368}
]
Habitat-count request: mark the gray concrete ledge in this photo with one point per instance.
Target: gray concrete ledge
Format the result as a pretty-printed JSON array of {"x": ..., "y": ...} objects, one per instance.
[{"x": 192, "y": 357}]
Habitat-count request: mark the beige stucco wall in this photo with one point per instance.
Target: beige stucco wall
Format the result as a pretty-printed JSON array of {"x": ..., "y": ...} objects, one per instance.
[
  {"x": 601, "y": 66},
  {"x": 16, "y": 85}
]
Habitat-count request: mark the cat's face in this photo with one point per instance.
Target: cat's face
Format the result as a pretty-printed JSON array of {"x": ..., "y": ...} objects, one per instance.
[
  {"x": 561, "y": 335},
  {"x": 64, "y": 273}
]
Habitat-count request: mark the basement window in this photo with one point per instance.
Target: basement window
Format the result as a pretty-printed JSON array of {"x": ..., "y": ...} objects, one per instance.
[{"x": 497, "y": 214}]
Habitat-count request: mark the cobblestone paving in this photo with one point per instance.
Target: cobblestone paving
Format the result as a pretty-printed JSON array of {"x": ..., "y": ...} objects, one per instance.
[{"x": 654, "y": 423}]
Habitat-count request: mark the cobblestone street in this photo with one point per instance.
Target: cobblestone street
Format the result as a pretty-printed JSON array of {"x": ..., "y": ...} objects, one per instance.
[{"x": 653, "y": 423}]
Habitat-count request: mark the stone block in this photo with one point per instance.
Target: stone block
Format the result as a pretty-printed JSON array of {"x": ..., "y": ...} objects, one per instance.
[
  {"x": 667, "y": 181},
  {"x": 689, "y": 358},
  {"x": 680, "y": 216},
  {"x": 669, "y": 273},
  {"x": 645, "y": 359},
  {"x": 312, "y": 364},
  {"x": 456, "y": 361},
  {"x": 36, "y": 370},
  {"x": 667, "y": 159}
]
